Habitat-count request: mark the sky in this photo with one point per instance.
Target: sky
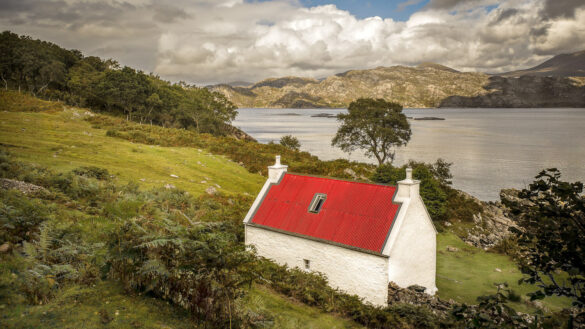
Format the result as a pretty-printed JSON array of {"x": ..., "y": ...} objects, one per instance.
[{"x": 218, "y": 41}]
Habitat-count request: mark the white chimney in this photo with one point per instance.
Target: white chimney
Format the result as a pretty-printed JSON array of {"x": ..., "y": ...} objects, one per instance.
[
  {"x": 408, "y": 188},
  {"x": 276, "y": 170}
]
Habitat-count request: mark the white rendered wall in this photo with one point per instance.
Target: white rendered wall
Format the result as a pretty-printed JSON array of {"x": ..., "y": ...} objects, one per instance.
[
  {"x": 413, "y": 255},
  {"x": 355, "y": 272}
]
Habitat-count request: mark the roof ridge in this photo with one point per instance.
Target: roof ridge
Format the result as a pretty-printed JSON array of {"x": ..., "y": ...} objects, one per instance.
[{"x": 341, "y": 179}]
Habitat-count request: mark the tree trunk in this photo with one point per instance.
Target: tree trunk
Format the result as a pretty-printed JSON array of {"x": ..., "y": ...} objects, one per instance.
[{"x": 5, "y": 82}]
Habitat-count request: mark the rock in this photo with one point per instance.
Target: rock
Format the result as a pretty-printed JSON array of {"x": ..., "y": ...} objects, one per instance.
[
  {"x": 143, "y": 179},
  {"x": 5, "y": 247},
  {"x": 174, "y": 176},
  {"x": 26, "y": 188},
  {"x": 203, "y": 182},
  {"x": 447, "y": 224},
  {"x": 452, "y": 249},
  {"x": 417, "y": 288},
  {"x": 350, "y": 172},
  {"x": 211, "y": 190},
  {"x": 415, "y": 295},
  {"x": 498, "y": 270},
  {"x": 217, "y": 185},
  {"x": 169, "y": 186}
]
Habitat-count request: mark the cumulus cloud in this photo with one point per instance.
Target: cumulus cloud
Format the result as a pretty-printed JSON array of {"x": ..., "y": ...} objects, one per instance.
[{"x": 208, "y": 41}]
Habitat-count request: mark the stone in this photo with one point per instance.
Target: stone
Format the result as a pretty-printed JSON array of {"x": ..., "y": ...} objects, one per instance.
[
  {"x": 174, "y": 176},
  {"x": 26, "y": 188},
  {"x": 169, "y": 186},
  {"x": 143, "y": 179},
  {"x": 211, "y": 190},
  {"x": 203, "y": 182},
  {"x": 447, "y": 224},
  {"x": 452, "y": 249},
  {"x": 5, "y": 247},
  {"x": 498, "y": 270},
  {"x": 415, "y": 295},
  {"x": 217, "y": 185},
  {"x": 350, "y": 172}
]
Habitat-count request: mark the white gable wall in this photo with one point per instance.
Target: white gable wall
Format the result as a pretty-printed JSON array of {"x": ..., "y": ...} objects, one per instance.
[
  {"x": 413, "y": 251},
  {"x": 355, "y": 272}
]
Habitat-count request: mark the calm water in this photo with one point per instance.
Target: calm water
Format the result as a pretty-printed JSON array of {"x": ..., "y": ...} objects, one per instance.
[{"x": 490, "y": 149}]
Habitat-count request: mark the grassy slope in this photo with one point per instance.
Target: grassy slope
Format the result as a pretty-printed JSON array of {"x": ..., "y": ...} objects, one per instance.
[
  {"x": 65, "y": 141},
  {"x": 62, "y": 140},
  {"x": 471, "y": 272}
]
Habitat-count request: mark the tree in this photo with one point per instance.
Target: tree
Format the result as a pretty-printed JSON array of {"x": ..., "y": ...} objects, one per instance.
[
  {"x": 550, "y": 215},
  {"x": 374, "y": 125},
  {"x": 291, "y": 142}
]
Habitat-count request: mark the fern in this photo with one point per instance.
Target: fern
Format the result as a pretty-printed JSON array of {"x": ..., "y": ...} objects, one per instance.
[
  {"x": 45, "y": 239},
  {"x": 30, "y": 250}
]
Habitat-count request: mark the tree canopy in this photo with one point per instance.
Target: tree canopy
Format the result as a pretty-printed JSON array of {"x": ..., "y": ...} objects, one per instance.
[
  {"x": 375, "y": 126},
  {"x": 550, "y": 215},
  {"x": 49, "y": 71},
  {"x": 291, "y": 142}
]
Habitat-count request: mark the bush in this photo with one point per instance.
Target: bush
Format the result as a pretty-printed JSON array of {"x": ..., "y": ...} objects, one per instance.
[
  {"x": 432, "y": 190},
  {"x": 202, "y": 269},
  {"x": 20, "y": 217},
  {"x": 291, "y": 142}
]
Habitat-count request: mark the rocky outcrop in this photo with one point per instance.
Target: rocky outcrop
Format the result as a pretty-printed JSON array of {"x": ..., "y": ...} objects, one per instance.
[
  {"x": 24, "y": 187},
  {"x": 415, "y": 295},
  {"x": 526, "y": 91},
  {"x": 492, "y": 225},
  {"x": 238, "y": 133}
]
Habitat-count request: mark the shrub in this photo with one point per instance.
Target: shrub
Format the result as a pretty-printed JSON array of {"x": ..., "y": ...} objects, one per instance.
[
  {"x": 20, "y": 217},
  {"x": 291, "y": 142}
]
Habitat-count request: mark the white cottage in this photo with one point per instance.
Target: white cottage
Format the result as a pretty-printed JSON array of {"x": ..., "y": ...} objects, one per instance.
[{"x": 361, "y": 236}]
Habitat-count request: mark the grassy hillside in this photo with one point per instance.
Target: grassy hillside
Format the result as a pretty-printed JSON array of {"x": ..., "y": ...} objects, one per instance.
[
  {"x": 62, "y": 139},
  {"x": 49, "y": 135}
]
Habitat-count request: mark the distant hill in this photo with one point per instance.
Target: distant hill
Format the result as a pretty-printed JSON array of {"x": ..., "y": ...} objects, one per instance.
[
  {"x": 564, "y": 65},
  {"x": 425, "y": 85},
  {"x": 421, "y": 86}
]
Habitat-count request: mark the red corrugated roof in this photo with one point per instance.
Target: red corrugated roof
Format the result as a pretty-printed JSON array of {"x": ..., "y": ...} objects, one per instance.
[{"x": 354, "y": 214}]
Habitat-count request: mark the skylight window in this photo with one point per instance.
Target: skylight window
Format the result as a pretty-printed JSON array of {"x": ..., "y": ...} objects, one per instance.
[{"x": 317, "y": 202}]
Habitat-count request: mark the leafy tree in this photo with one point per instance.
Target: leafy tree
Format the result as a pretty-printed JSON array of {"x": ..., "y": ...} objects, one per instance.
[
  {"x": 47, "y": 70},
  {"x": 291, "y": 142},
  {"x": 550, "y": 214},
  {"x": 374, "y": 125},
  {"x": 432, "y": 189}
]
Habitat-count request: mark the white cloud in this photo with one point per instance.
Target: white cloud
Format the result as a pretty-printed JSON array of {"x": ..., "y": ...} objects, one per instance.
[{"x": 208, "y": 41}]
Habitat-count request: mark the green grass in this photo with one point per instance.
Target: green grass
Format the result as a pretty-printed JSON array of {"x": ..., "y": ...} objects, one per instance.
[
  {"x": 106, "y": 305},
  {"x": 64, "y": 141},
  {"x": 471, "y": 272},
  {"x": 291, "y": 314}
]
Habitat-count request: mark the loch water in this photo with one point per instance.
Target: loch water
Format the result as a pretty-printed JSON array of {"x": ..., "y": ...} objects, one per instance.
[{"x": 490, "y": 148}]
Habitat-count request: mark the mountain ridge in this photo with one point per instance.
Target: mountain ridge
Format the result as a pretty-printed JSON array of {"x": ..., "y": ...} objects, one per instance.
[{"x": 426, "y": 85}]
